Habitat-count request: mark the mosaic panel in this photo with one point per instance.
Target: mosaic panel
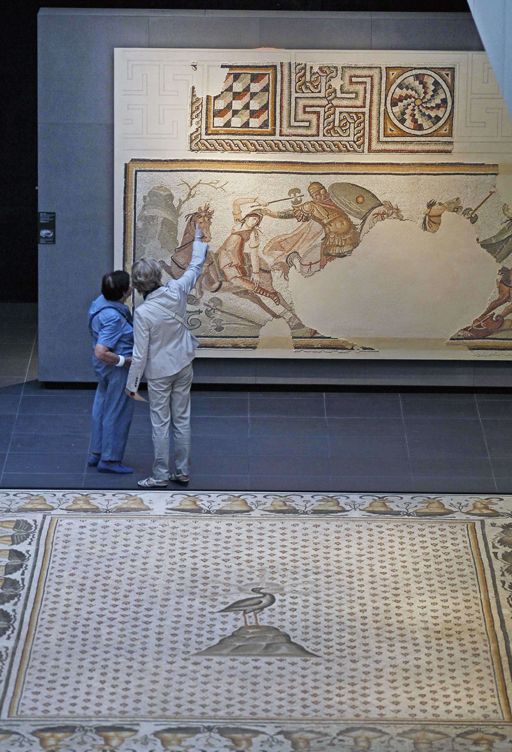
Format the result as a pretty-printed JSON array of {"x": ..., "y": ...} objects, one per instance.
[
  {"x": 251, "y": 621},
  {"x": 326, "y": 108},
  {"x": 377, "y": 264},
  {"x": 374, "y": 607},
  {"x": 294, "y": 249}
]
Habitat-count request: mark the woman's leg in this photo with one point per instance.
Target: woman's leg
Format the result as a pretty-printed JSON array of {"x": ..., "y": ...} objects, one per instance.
[
  {"x": 159, "y": 391},
  {"x": 97, "y": 417},
  {"x": 180, "y": 417},
  {"x": 117, "y": 416}
]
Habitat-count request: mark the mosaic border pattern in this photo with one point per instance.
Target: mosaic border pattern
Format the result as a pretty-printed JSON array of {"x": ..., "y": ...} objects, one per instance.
[
  {"x": 254, "y": 737},
  {"x": 163, "y": 502}
]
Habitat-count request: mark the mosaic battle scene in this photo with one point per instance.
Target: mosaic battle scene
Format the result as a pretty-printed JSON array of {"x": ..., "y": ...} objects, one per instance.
[{"x": 333, "y": 260}]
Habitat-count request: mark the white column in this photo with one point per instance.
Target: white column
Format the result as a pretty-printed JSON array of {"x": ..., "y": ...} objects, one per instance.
[{"x": 493, "y": 19}]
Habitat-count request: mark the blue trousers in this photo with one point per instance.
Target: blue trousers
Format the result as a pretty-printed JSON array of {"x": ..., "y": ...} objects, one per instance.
[{"x": 112, "y": 414}]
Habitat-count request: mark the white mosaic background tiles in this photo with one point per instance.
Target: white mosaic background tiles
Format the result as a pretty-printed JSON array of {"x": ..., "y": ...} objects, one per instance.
[{"x": 391, "y": 608}]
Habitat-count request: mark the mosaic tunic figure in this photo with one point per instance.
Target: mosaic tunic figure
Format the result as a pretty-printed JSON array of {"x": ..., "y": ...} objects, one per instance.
[
  {"x": 488, "y": 322},
  {"x": 240, "y": 267},
  {"x": 244, "y": 269}
]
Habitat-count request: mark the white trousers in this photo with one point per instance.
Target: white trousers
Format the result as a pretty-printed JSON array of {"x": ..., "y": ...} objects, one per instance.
[{"x": 169, "y": 405}]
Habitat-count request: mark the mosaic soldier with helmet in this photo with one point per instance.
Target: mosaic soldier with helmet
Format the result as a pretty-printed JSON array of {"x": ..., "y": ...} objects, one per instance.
[{"x": 333, "y": 210}]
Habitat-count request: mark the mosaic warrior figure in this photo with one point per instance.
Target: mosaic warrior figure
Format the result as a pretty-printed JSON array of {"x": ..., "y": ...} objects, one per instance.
[
  {"x": 489, "y": 322},
  {"x": 340, "y": 233},
  {"x": 246, "y": 269},
  {"x": 332, "y": 209}
]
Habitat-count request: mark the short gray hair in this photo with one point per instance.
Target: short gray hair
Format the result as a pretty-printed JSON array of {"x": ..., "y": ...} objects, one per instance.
[{"x": 146, "y": 275}]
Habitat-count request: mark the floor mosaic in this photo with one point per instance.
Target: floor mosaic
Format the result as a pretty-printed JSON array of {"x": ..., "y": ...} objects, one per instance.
[{"x": 252, "y": 621}]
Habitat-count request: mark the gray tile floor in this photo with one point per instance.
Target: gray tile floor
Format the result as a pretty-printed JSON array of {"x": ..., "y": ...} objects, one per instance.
[{"x": 275, "y": 440}]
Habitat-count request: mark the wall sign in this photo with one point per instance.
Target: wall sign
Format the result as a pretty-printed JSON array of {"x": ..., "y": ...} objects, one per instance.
[{"x": 46, "y": 228}]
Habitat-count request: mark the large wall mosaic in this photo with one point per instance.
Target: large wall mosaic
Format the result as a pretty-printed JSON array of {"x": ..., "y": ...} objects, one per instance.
[
  {"x": 357, "y": 204},
  {"x": 258, "y": 622}
]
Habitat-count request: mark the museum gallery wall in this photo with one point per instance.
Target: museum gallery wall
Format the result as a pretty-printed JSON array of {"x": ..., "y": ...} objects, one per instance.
[{"x": 357, "y": 204}]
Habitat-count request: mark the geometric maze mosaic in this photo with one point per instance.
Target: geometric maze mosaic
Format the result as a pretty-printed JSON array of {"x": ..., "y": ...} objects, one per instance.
[{"x": 314, "y": 108}]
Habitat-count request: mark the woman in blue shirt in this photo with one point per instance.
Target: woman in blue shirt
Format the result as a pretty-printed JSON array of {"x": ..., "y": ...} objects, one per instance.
[{"x": 110, "y": 323}]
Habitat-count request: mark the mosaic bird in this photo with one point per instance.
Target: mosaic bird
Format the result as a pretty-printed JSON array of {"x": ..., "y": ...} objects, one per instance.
[{"x": 252, "y": 605}]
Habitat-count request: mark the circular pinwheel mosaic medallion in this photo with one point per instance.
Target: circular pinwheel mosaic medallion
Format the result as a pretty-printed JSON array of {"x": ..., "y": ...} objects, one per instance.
[{"x": 419, "y": 102}]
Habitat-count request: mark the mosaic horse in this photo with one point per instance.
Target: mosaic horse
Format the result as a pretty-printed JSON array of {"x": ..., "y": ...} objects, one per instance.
[
  {"x": 213, "y": 277},
  {"x": 180, "y": 259}
]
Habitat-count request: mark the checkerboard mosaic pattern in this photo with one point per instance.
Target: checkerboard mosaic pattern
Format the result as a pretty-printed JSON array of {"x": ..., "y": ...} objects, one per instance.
[{"x": 245, "y": 104}]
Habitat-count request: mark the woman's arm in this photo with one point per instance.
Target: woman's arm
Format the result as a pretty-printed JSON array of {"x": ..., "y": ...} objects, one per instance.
[
  {"x": 140, "y": 352},
  {"x": 110, "y": 358},
  {"x": 239, "y": 202},
  {"x": 111, "y": 329},
  {"x": 187, "y": 281}
]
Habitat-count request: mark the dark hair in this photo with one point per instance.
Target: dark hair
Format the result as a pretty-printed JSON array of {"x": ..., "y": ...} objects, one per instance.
[{"x": 114, "y": 285}]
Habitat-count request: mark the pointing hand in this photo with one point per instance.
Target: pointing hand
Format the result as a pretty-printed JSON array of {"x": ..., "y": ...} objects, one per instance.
[{"x": 198, "y": 246}]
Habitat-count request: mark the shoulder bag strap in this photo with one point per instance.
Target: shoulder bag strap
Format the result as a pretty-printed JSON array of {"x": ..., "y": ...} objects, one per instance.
[{"x": 172, "y": 314}]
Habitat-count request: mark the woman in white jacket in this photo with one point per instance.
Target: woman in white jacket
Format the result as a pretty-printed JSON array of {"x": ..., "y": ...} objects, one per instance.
[{"x": 163, "y": 352}]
